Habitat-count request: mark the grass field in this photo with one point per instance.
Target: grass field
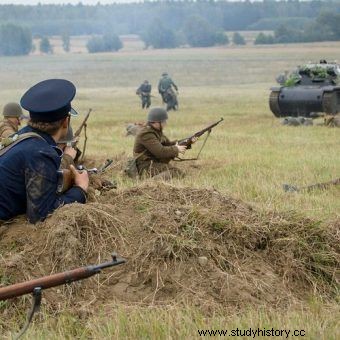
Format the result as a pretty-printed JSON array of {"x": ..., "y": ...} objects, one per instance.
[{"x": 249, "y": 156}]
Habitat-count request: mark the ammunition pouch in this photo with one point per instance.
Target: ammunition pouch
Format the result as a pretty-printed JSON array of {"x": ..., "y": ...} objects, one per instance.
[{"x": 131, "y": 169}]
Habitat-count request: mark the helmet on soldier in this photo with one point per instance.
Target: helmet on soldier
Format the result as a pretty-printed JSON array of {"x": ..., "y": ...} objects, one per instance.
[
  {"x": 157, "y": 114},
  {"x": 12, "y": 110},
  {"x": 164, "y": 74}
]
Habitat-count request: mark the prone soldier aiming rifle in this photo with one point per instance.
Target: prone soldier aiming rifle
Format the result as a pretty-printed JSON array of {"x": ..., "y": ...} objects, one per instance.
[{"x": 36, "y": 286}]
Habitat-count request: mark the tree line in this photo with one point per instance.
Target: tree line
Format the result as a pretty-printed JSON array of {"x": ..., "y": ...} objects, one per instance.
[
  {"x": 326, "y": 27},
  {"x": 135, "y": 18},
  {"x": 168, "y": 25}
]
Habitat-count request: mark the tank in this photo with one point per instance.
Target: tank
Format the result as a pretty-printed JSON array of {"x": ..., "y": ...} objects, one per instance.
[{"x": 307, "y": 91}]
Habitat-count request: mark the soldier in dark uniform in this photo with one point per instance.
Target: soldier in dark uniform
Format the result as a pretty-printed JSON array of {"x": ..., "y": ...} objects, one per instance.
[
  {"x": 13, "y": 115},
  {"x": 153, "y": 151},
  {"x": 144, "y": 91},
  {"x": 29, "y": 175},
  {"x": 166, "y": 89}
]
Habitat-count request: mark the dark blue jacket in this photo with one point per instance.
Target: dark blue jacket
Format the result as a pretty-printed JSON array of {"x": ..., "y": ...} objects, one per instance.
[{"x": 29, "y": 178}]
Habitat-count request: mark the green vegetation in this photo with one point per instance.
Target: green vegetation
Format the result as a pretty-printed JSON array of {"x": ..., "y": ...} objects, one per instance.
[
  {"x": 199, "y": 33},
  {"x": 109, "y": 42},
  {"x": 249, "y": 157},
  {"x": 45, "y": 46},
  {"x": 316, "y": 20},
  {"x": 158, "y": 36},
  {"x": 238, "y": 39},
  {"x": 119, "y": 322},
  {"x": 66, "y": 41},
  {"x": 325, "y": 27},
  {"x": 14, "y": 40},
  {"x": 264, "y": 39}
]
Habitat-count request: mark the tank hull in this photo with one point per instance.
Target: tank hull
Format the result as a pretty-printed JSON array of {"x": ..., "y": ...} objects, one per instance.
[{"x": 303, "y": 100}]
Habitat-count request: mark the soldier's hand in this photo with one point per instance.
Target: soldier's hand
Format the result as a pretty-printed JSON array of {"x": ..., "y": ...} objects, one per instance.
[
  {"x": 70, "y": 151},
  {"x": 81, "y": 178},
  {"x": 181, "y": 148}
]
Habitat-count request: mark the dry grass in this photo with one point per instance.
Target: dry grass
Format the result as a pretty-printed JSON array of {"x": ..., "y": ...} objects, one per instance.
[{"x": 248, "y": 157}]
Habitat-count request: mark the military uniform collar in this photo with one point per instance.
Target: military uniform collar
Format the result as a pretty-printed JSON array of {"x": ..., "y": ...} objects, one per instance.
[
  {"x": 159, "y": 132},
  {"x": 46, "y": 136}
]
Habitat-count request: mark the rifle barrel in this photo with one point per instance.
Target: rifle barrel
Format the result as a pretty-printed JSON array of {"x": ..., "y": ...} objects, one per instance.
[
  {"x": 199, "y": 133},
  {"x": 57, "y": 279}
]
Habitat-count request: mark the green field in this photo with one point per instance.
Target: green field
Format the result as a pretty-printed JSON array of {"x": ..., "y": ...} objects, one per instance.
[{"x": 249, "y": 156}]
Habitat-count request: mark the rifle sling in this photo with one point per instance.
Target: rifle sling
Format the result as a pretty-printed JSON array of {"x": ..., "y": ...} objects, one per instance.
[{"x": 21, "y": 138}]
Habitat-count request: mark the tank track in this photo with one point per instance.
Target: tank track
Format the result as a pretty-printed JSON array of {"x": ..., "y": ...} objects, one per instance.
[
  {"x": 274, "y": 103},
  {"x": 329, "y": 102}
]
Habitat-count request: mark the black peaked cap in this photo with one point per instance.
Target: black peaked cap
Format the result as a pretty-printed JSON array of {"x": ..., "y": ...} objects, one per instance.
[{"x": 49, "y": 100}]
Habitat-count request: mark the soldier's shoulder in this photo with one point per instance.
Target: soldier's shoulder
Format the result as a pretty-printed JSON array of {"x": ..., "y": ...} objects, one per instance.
[
  {"x": 4, "y": 122},
  {"x": 146, "y": 131}
]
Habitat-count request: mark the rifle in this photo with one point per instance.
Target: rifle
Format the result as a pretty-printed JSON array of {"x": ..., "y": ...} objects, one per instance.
[
  {"x": 66, "y": 179},
  {"x": 76, "y": 136},
  {"x": 308, "y": 188},
  {"x": 190, "y": 140},
  {"x": 36, "y": 286}
]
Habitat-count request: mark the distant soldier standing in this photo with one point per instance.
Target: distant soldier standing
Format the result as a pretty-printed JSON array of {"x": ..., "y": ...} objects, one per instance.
[
  {"x": 144, "y": 91},
  {"x": 153, "y": 151},
  {"x": 12, "y": 113},
  {"x": 166, "y": 89}
]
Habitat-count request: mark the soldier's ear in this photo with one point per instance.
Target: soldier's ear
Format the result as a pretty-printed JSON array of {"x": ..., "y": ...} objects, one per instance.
[{"x": 66, "y": 122}]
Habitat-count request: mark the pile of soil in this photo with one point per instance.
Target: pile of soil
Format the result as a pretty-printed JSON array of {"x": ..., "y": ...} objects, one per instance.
[{"x": 183, "y": 245}]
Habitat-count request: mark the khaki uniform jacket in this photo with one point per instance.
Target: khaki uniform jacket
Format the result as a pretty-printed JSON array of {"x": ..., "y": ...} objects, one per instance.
[
  {"x": 7, "y": 128},
  {"x": 152, "y": 146}
]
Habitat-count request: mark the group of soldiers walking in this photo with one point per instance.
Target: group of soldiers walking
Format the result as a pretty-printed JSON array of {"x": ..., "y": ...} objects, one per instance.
[
  {"x": 166, "y": 88},
  {"x": 33, "y": 159}
]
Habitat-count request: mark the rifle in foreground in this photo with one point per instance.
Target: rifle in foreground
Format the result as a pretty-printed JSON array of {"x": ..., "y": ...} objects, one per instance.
[
  {"x": 308, "y": 188},
  {"x": 190, "y": 140},
  {"x": 36, "y": 286},
  {"x": 66, "y": 179}
]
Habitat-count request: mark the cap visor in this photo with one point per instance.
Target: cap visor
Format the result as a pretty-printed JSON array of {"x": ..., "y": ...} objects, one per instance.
[{"x": 73, "y": 112}]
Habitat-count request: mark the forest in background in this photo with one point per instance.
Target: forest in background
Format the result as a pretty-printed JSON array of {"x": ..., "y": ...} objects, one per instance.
[
  {"x": 135, "y": 18},
  {"x": 169, "y": 24}
]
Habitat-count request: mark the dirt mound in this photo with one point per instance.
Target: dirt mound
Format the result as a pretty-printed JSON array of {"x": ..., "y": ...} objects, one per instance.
[{"x": 182, "y": 245}]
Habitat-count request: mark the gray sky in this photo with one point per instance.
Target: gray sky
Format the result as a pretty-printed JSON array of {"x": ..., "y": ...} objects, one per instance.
[{"x": 74, "y": 2}]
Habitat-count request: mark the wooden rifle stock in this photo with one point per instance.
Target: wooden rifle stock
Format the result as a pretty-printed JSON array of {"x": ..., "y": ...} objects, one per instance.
[
  {"x": 66, "y": 176},
  {"x": 57, "y": 279},
  {"x": 66, "y": 180}
]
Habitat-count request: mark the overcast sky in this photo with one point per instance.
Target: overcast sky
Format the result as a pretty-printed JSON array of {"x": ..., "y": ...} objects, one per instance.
[{"x": 85, "y": 2}]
